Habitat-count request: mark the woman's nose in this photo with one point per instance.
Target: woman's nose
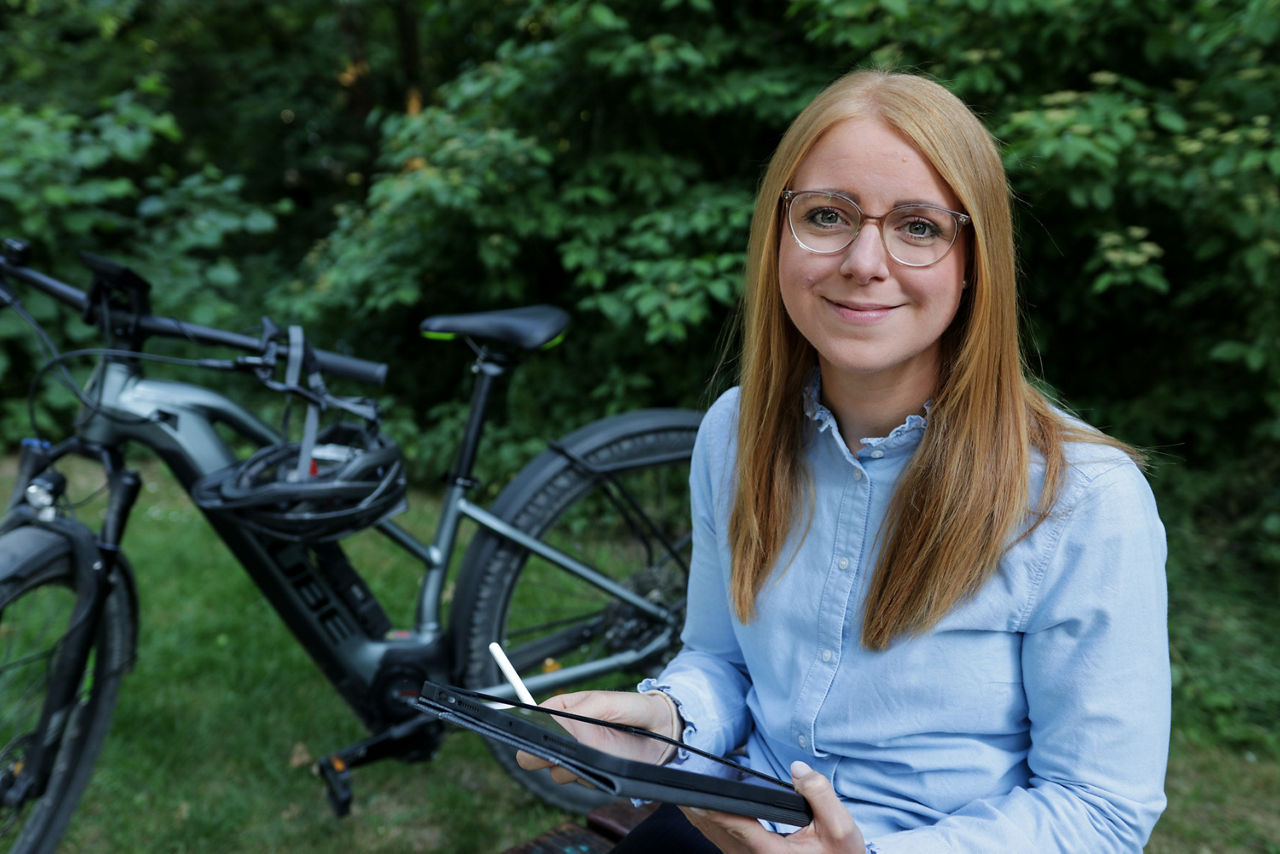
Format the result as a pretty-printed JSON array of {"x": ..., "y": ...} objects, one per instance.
[{"x": 865, "y": 257}]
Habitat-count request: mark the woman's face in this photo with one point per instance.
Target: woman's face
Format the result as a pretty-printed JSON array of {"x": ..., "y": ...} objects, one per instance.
[{"x": 874, "y": 322}]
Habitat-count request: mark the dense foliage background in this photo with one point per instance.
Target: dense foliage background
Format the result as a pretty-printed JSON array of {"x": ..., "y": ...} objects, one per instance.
[{"x": 360, "y": 164}]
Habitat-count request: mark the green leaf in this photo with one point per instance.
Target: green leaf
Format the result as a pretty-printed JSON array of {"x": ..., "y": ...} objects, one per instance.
[
  {"x": 1171, "y": 121},
  {"x": 152, "y": 206},
  {"x": 259, "y": 222},
  {"x": 56, "y": 195},
  {"x": 605, "y": 18},
  {"x": 1101, "y": 195},
  {"x": 223, "y": 274}
]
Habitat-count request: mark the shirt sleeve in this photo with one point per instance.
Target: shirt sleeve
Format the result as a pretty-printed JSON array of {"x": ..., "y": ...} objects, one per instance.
[
  {"x": 1095, "y": 662},
  {"x": 707, "y": 678}
]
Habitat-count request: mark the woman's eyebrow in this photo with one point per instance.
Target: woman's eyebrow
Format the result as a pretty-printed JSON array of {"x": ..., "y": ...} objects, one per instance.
[
  {"x": 830, "y": 191},
  {"x": 834, "y": 192},
  {"x": 903, "y": 202}
]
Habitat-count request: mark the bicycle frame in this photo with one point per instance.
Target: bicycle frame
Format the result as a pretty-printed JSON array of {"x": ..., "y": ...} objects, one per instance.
[
  {"x": 178, "y": 422},
  {"x": 325, "y": 603}
]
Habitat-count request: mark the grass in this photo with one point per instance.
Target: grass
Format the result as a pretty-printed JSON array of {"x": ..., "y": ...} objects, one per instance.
[
  {"x": 212, "y": 741},
  {"x": 217, "y": 726},
  {"x": 1219, "y": 801}
]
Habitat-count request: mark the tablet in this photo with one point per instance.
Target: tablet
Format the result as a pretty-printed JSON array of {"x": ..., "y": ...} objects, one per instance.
[{"x": 741, "y": 791}]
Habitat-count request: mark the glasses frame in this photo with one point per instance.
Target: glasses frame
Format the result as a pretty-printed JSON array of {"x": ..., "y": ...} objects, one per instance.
[{"x": 788, "y": 196}]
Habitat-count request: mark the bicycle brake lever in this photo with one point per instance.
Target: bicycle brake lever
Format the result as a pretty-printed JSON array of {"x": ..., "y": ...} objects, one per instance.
[
  {"x": 252, "y": 363},
  {"x": 240, "y": 363}
]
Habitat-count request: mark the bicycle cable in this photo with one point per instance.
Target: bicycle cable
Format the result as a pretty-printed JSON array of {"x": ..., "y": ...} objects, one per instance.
[
  {"x": 59, "y": 360},
  {"x": 55, "y": 359},
  {"x": 323, "y": 399},
  {"x": 50, "y": 351}
]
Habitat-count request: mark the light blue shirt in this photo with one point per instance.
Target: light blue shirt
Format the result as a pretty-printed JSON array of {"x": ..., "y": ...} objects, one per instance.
[{"x": 1034, "y": 717}]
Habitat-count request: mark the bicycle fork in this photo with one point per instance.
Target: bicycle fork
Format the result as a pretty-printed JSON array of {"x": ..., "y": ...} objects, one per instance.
[{"x": 95, "y": 564}]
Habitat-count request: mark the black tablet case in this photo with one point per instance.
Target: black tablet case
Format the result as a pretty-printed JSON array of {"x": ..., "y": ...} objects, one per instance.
[{"x": 614, "y": 775}]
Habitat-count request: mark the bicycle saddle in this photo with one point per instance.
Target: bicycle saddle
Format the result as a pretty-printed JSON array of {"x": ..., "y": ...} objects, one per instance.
[{"x": 528, "y": 327}]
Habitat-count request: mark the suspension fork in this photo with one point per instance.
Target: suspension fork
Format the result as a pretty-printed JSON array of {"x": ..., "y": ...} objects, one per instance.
[{"x": 95, "y": 564}]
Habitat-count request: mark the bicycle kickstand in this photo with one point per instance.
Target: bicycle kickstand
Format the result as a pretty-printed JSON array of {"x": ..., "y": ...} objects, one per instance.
[{"x": 413, "y": 740}]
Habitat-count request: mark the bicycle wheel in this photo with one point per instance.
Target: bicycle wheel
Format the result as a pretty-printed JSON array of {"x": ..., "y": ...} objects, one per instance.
[
  {"x": 614, "y": 496},
  {"x": 37, "y": 598}
]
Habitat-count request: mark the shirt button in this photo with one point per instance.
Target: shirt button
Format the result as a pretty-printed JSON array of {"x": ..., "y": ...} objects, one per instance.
[
  {"x": 826, "y": 655},
  {"x": 844, "y": 563},
  {"x": 803, "y": 741},
  {"x": 877, "y": 454},
  {"x": 857, "y": 474}
]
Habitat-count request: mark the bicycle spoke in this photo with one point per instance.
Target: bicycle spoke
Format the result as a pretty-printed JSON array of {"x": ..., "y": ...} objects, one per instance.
[{"x": 535, "y": 653}]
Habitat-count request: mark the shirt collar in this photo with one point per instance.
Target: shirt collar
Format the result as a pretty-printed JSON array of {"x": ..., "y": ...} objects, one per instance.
[{"x": 906, "y": 435}]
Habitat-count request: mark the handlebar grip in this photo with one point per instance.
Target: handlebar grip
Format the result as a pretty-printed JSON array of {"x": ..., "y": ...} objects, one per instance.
[
  {"x": 374, "y": 373},
  {"x": 336, "y": 364}
]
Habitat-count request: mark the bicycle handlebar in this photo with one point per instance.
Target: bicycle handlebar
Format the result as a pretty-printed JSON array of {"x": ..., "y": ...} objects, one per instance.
[{"x": 336, "y": 364}]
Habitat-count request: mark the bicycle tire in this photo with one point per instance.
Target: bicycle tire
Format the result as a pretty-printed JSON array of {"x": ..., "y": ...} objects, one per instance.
[
  {"x": 37, "y": 597},
  {"x": 508, "y": 595}
]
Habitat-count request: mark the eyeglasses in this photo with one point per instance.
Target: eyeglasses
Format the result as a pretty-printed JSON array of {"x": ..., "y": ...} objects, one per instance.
[{"x": 915, "y": 235}]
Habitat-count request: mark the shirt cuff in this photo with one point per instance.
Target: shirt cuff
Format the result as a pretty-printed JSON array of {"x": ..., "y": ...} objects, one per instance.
[{"x": 688, "y": 728}]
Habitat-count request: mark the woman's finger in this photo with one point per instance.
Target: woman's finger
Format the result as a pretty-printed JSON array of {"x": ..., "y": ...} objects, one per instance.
[
  {"x": 729, "y": 833},
  {"x": 832, "y": 830},
  {"x": 832, "y": 823},
  {"x": 529, "y": 762},
  {"x": 562, "y": 776},
  {"x": 640, "y": 710}
]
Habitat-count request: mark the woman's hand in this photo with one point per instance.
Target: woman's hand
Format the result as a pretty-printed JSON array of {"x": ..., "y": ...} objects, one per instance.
[
  {"x": 653, "y": 711},
  {"x": 832, "y": 828}
]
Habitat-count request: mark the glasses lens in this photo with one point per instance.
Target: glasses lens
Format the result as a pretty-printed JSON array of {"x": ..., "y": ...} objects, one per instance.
[
  {"x": 823, "y": 223},
  {"x": 918, "y": 235},
  {"x": 915, "y": 235}
]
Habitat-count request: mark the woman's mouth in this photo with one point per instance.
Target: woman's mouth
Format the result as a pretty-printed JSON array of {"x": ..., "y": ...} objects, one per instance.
[{"x": 862, "y": 313}]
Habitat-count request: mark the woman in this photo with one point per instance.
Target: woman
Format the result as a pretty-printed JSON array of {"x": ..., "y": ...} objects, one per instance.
[{"x": 933, "y": 597}]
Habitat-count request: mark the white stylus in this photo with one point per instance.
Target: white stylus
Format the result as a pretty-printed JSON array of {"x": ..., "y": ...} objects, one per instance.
[{"x": 522, "y": 693}]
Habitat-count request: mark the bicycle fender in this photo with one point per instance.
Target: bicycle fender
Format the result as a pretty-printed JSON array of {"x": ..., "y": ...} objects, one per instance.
[
  {"x": 580, "y": 443},
  {"x": 519, "y": 491},
  {"x": 23, "y": 549},
  {"x": 27, "y": 547}
]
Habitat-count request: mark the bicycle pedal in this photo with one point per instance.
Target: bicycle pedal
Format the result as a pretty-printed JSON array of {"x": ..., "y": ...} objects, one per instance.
[
  {"x": 413, "y": 740},
  {"x": 337, "y": 782}
]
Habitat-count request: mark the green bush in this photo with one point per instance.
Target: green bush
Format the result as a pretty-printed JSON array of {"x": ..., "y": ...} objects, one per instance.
[{"x": 602, "y": 155}]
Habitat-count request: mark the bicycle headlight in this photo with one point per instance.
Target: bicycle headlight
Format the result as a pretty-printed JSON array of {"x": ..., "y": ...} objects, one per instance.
[{"x": 44, "y": 491}]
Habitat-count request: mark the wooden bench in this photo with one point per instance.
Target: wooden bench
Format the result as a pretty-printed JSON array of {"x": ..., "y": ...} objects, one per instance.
[{"x": 602, "y": 830}]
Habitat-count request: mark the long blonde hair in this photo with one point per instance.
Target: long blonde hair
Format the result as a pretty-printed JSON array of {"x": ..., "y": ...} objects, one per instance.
[{"x": 964, "y": 494}]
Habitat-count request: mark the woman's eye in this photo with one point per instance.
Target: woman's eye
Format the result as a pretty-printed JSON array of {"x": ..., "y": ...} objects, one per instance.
[
  {"x": 826, "y": 218},
  {"x": 920, "y": 229}
]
